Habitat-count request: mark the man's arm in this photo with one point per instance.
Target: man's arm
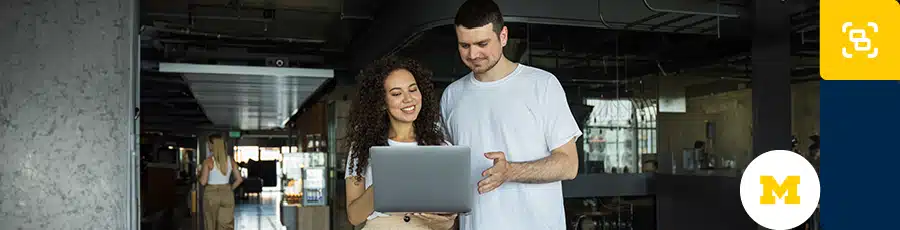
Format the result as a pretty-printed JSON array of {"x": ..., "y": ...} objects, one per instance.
[
  {"x": 560, "y": 133},
  {"x": 562, "y": 164}
]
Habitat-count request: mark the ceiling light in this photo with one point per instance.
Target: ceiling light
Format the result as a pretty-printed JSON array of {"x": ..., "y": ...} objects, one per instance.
[{"x": 244, "y": 70}]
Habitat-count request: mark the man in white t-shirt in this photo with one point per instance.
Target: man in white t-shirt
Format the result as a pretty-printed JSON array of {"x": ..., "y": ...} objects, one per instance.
[{"x": 517, "y": 122}]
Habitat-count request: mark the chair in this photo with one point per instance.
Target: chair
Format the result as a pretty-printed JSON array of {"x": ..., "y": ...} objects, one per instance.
[{"x": 252, "y": 185}]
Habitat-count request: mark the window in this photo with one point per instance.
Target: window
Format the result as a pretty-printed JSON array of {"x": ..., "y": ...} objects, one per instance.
[
  {"x": 256, "y": 153},
  {"x": 618, "y": 133},
  {"x": 289, "y": 149},
  {"x": 270, "y": 153},
  {"x": 246, "y": 153}
]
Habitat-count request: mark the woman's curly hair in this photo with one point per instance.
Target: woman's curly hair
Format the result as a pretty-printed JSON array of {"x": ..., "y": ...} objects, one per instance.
[{"x": 369, "y": 122}]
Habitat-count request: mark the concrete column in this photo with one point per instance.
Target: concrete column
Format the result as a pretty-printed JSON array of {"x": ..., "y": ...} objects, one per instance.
[
  {"x": 771, "y": 77},
  {"x": 202, "y": 151},
  {"x": 67, "y": 128},
  {"x": 202, "y": 147}
]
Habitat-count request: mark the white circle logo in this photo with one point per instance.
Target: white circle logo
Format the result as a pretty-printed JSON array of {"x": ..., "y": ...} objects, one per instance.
[{"x": 780, "y": 190}]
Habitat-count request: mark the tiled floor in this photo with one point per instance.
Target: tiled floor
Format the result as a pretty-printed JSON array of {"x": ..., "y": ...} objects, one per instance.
[{"x": 258, "y": 213}]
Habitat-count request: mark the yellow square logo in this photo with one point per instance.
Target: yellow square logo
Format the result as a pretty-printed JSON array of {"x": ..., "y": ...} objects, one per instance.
[{"x": 859, "y": 40}]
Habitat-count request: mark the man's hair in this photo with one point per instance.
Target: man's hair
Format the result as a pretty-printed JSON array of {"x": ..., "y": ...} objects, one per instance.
[{"x": 478, "y": 13}]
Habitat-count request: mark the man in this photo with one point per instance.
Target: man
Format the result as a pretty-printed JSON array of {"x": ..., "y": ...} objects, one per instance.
[
  {"x": 517, "y": 122},
  {"x": 700, "y": 155}
]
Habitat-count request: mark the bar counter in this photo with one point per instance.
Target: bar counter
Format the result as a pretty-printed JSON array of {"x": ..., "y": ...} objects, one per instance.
[{"x": 696, "y": 201}]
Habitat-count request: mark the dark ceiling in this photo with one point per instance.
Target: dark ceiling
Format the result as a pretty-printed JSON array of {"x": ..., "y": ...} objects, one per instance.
[
  {"x": 301, "y": 34},
  {"x": 321, "y": 34}
]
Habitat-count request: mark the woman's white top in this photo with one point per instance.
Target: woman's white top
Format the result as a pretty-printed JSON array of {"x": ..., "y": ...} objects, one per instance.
[
  {"x": 351, "y": 172},
  {"x": 216, "y": 177}
]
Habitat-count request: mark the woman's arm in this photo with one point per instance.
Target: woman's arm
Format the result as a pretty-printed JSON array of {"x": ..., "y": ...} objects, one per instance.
[
  {"x": 204, "y": 173},
  {"x": 360, "y": 200},
  {"x": 238, "y": 179},
  {"x": 442, "y": 221}
]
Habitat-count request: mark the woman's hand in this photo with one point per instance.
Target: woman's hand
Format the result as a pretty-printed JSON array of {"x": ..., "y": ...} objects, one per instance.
[{"x": 437, "y": 220}]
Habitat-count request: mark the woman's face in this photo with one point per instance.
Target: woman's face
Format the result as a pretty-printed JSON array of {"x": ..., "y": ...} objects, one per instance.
[{"x": 403, "y": 98}]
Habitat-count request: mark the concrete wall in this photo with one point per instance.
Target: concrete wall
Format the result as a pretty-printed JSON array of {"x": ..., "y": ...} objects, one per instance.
[
  {"x": 732, "y": 114},
  {"x": 66, "y": 114}
]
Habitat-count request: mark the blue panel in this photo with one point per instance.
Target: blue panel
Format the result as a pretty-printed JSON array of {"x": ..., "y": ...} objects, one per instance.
[{"x": 859, "y": 137}]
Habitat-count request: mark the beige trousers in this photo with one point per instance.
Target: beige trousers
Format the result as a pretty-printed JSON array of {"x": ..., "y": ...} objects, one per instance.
[
  {"x": 218, "y": 207},
  {"x": 397, "y": 223}
]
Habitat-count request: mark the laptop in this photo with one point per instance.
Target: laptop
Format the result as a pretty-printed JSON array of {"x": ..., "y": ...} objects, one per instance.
[{"x": 422, "y": 178}]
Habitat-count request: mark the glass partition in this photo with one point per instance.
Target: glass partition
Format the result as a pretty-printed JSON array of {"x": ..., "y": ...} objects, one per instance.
[
  {"x": 619, "y": 134},
  {"x": 243, "y": 154},
  {"x": 270, "y": 154}
]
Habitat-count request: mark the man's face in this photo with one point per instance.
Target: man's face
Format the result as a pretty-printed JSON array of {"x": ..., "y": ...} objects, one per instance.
[{"x": 480, "y": 48}]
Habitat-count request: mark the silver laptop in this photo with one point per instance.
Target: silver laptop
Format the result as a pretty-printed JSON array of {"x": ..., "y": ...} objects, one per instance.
[{"x": 422, "y": 178}]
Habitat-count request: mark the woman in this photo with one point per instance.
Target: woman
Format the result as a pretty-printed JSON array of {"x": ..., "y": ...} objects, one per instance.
[
  {"x": 218, "y": 193},
  {"x": 396, "y": 105}
]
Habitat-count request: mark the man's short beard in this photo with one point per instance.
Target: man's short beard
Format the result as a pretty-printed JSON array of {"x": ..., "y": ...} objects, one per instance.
[{"x": 489, "y": 68}]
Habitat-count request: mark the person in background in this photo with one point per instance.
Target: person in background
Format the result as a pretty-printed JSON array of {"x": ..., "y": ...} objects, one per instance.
[
  {"x": 396, "y": 105},
  {"x": 795, "y": 145},
  {"x": 813, "y": 157},
  {"x": 700, "y": 154},
  {"x": 218, "y": 193},
  {"x": 700, "y": 146},
  {"x": 649, "y": 166},
  {"x": 814, "y": 151},
  {"x": 518, "y": 124},
  {"x": 814, "y": 147}
]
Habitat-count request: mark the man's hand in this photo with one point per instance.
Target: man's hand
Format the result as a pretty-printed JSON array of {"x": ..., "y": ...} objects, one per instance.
[{"x": 496, "y": 175}]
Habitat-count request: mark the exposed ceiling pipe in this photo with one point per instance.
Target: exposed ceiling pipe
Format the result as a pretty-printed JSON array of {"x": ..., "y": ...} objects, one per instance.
[
  {"x": 661, "y": 70},
  {"x": 356, "y": 17},
  {"x": 243, "y": 6},
  {"x": 188, "y": 31},
  {"x": 651, "y": 8},
  {"x": 735, "y": 78},
  {"x": 224, "y": 18},
  {"x": 602, "y": 21}
]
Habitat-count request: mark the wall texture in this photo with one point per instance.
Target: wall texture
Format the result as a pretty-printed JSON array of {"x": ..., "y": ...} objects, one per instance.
[{"x": 65, "y": 113}]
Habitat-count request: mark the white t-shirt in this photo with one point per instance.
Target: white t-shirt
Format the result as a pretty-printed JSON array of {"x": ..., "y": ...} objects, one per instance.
[
  {"x": 349, "y": 173},
  {"x": 525, "y": 115}
]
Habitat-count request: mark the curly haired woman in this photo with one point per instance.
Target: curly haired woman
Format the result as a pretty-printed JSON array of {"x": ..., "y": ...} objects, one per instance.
[{"x": 396, "y": 106}]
